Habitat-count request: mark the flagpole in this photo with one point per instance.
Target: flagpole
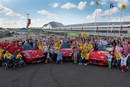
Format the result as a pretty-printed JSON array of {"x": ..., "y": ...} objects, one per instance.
[
  {"x": 96, "y": 27},
  {"x": 111, "y": 6},
  {"x": 96, "y": 21},
  {"x": 110, "y": 17},
  {"x": 108, "y": 21},
  {"x": 120, "y": 22},
  {"x": 27, "y": 27}
]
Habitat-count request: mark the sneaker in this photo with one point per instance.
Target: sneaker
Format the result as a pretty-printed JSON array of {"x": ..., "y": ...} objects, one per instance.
[
  {"x": 85, "y": 64},
  {"x": 46, "y": 61},
  {"x": 75, "y": 62},
  {"x": 122, "y": 71},
  {"x": 80, "y": 63},
  {"x": 61, "y": 62}
]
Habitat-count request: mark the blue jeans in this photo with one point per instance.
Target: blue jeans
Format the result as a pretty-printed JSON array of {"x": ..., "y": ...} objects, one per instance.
[{"x": 118, "y": 63}]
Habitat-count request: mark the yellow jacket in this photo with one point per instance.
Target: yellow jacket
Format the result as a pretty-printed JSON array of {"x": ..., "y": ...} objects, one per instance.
[
  {"x": 90, "y": 47},
  {"x": 8, "y": 55},
  {"x": 81, "y": 46},
  {"x": 83, "y": 54},
  {"x": 57, "y": 47},
  {"x": 1, "y": 55},
  {"x": 18, "y": 56},
  {"x": 87, "y": 55},
  {"x": 40, "y": 45},
  {"x": 117, "y": 56},
  {"x": 1, "y": 50},
  {"x": 84, "y": 45}
]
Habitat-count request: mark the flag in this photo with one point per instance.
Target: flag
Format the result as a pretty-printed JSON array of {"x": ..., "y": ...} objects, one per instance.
[
  {"x": 123, "y": 7},
  {"x": 97, "y": 3},
  {"x": 28, "y": 22},
  {"x": 112, "y": 5}
]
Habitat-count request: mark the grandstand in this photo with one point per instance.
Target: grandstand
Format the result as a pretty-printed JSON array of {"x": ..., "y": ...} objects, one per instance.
[{"x": 100, "y": 28}]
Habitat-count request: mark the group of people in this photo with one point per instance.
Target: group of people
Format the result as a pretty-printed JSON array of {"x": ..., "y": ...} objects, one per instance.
[
  {"x": 81, "y": 47},
  {"x": 10, "y": 60}
]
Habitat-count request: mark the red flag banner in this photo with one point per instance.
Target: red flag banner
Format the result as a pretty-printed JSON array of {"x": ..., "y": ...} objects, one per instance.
[{"x": 29, "y": 22}]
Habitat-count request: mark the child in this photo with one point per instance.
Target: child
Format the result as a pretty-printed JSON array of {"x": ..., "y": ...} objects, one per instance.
[
  {"x": 59, "y": 57},
  {"x": 19, "y": 57},
  {"x": 8, "y": 57},
  {"x": 124, "y": 62},
  {"x": 109, "y": 59}
]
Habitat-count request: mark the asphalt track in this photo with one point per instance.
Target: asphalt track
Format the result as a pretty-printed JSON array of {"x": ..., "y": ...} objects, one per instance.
[{"x": 64, "y": 75}]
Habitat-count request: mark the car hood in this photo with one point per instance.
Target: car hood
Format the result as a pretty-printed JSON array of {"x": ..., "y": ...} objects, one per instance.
[
  {"x": 98, "y": 55},
  {"x": 33, "y": 53},
  {"x": 67, "y": 51}
]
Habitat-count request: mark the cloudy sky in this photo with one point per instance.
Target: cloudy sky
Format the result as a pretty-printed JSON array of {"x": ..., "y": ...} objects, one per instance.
[{"x": 13, "y": 12}]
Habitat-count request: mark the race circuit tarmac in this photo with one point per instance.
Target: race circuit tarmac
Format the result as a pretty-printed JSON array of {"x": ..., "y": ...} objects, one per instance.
[{"x": 64, "y": 75}]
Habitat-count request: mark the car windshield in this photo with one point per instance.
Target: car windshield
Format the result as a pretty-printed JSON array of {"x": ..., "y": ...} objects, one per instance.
[
  {"x": 106, "y": 48},
  {"x": 66, "y": 44}
]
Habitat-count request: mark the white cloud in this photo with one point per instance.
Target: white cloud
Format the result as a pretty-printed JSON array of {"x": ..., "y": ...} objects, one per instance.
[
  {"x": 21, "y": 22},
  {"x": 92, "y": 3},
  {"x": 12, "y": 23},
  {"x": 47, "y": 13},
  {"x": 8, "y": 11},
  {"x": 68, "y": 6},
  {"x": 55, "y": 5},
  {"x": 81, "y": 5},
  {"x": 18, "y": 21},
  {"x": 118, "y": 19},
  {"x": 104, "y": 2},
  {"x": 96, "y": 14},
  {"x": 111, "y": 11}
]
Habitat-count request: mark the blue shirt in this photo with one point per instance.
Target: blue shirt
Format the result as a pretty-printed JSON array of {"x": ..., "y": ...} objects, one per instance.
[{"x": 59, "y": 55}]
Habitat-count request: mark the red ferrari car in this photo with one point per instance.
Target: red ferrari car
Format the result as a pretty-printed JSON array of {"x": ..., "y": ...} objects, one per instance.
[
  {"x": 33, "y": 56},
  {"x": 98, "y": 57},
  {"x": 67, "y": 53}
]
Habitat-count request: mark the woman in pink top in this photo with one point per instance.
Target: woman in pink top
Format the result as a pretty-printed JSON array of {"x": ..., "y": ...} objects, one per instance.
[{"x": 118, "y": 49}]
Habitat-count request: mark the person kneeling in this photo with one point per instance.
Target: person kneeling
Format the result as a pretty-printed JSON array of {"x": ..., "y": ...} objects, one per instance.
[{"x": 8, "y": 58}]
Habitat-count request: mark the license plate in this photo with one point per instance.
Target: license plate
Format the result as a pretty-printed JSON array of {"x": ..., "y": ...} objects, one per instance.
[{"x": 38, "y": 61}]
